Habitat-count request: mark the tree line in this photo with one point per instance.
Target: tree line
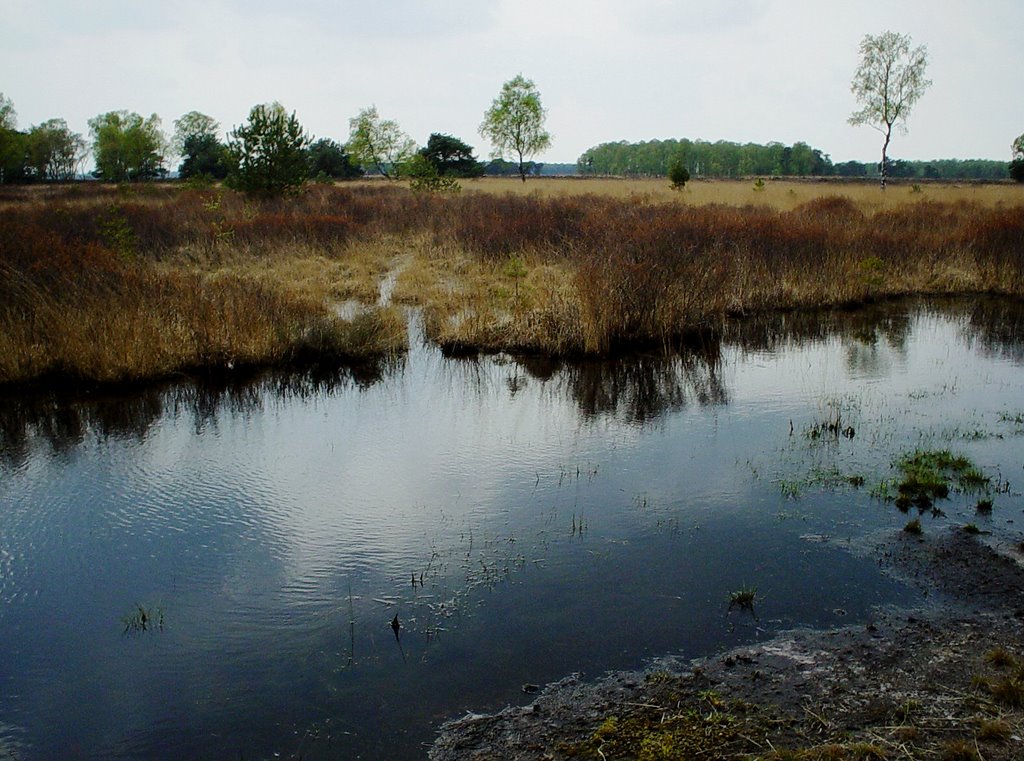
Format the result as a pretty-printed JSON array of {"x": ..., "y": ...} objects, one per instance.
[
  {"x": 702, "y": 158},
  {"x": 271, "y": 152}
]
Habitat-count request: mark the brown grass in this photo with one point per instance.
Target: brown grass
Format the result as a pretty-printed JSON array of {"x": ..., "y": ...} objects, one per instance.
[{"x": 110, "y": 284}]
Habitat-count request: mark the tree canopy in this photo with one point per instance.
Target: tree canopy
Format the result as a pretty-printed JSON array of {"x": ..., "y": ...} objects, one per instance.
[
  {"x": 268, "y": 153},
  {"x": 379, "y": 144},
  {"x": 1017, "y": 164},
  {"x": 127, "y": 147},
  {"x": 13, "y": 144},
  {"x": 888, "y": 82},
  {"x": 328, "y": 158},
  {"x": 451, "y": 156},
  {"x": 704, "y": 159},
  {"x": 8, "y": 116},
  {"x": 54, "y": 151},
  {"x": 192, "y": 124},
  {"x": 515, "y": 122}
]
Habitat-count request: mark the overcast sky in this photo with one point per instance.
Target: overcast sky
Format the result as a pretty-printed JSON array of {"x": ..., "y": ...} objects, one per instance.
[{"x": 607, "y": 70}]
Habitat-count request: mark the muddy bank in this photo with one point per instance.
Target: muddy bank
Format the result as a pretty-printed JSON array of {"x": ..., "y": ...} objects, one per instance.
[{"x": 945, "y": 681}]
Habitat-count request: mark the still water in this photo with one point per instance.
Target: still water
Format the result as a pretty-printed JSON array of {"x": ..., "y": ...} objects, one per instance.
[{"x": 523, "y": 519}]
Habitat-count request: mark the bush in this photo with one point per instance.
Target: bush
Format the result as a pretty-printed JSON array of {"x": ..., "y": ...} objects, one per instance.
[
  {"x": 1017, "y": 170},
  {"x": 678, "y": 174}
]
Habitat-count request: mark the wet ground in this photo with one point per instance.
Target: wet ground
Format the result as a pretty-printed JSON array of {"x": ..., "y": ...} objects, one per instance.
[{"x": 928, "y": 682}]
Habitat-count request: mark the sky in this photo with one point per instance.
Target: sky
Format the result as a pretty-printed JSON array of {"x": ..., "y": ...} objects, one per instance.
[{"x": 607, "y": 70}]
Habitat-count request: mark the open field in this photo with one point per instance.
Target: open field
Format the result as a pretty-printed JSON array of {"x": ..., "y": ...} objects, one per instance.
[
  {"x": 111, "y": 284},
  {"x": 784, "y": 194}
]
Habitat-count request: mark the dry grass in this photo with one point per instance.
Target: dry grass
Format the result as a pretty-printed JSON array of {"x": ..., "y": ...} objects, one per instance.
[
  {"x": 778, "y": 194},
  {"x": 109, "y": 284}
]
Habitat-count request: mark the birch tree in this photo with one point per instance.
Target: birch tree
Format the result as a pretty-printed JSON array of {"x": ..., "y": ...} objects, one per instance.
[
  {"x": 515, "y": 122},
  {"x": 888, "y": 82}
]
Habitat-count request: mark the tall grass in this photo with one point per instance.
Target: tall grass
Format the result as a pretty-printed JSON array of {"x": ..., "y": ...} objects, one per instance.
[{"x": 105, "y": 284}]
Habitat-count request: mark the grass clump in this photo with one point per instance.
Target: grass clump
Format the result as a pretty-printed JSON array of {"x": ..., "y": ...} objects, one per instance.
[
  {"x": 704, "y": 729},
  {"x": 958, "y": 750},
  {"x": 743, "y": 598},
  {"x": 142, "y": 619},
  {"x": 913, "y": 527},
  {"x": 994, "y": 731},
  {"x": 928, "y": 475}
]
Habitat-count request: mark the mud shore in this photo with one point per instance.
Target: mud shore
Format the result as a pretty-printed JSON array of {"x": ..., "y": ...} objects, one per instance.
[{"x": 944, "y": 681}]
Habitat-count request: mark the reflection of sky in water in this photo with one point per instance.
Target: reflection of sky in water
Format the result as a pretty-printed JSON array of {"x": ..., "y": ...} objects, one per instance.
[{"x": 261, "y": 524}]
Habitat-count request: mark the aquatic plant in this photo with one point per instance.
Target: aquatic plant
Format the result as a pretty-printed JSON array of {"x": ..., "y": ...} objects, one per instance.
[
  {"x": 743, "y": 598},
  {"x": 141, "y": 619},
  {"x": 913, "y": 527},
  {"x": 927, "y": 475}
]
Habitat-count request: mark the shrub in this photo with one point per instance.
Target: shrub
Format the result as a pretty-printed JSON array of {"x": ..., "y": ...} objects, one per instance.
[{"x": 678, "y": 175}]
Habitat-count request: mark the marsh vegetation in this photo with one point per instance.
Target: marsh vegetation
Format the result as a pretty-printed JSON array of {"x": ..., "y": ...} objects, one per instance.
[{"x": 109, "y": 284}]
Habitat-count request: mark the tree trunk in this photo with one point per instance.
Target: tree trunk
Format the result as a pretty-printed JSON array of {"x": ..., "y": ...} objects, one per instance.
[
  {"x": 522, "y": 172},
  {"x": 885, "y": 147}
]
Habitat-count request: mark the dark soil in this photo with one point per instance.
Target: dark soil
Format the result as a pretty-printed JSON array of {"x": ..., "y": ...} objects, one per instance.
[{"x": 942, "y": 682}]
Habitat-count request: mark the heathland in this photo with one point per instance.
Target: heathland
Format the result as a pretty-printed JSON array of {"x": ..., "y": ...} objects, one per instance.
[{"x": 116, "y": 283}]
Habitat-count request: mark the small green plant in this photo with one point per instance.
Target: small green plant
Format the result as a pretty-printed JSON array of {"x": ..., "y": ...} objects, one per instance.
[
  {"x": 759, "y": 185},
  {"x": 424, "y": 177},
  {"x": 678, "y": 175},
  {"x": 914, "y": 527},
  {"x": 915, "y": 188},
  {"x": 872, "y": 272},
  {"x": 971, "y": 528},
  {"x": 743, "y": 598},
  {"x": 984, "y": 505},
  {"x": 143, "y": 619},
  {"x": 515, "y": 269},
  {"x": 117, "y": 233},
  {"x": 928, "y": 475}
]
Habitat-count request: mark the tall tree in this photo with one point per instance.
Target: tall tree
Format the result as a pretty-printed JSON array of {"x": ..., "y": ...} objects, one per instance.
[
  {"x": 379, "y": 144},
  {"x": 13, "y": 144},
  {"x": 451, "y": 156},
  {"x": 327, "y": 158},
  {"x": 54, "y": 151},
  {"x": 888, "y": 82},
  {"x": 192, "y": 124},
  {"x": 1017, "y": 165},
  {"x": 204, "y": 156},
  {"x": 268, "y": 152},
  {"x": 515, "y": 122},
  {"x": 127, "y": 147},
  {"x": 8, "y": 116}
]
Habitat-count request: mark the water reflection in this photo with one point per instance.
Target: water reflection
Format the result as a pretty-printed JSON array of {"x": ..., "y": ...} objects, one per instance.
[
  {"x": 509, "y": 519},
  {"x": 62, "y": 421},
  {"x": 996, "y": 325},
  {"x": 644, "y": 388}
]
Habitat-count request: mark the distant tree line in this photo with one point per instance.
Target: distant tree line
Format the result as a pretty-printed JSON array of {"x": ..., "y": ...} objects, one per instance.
[
  {"x": 701, "y": 158},
  {"x": 271, "y": 153}
]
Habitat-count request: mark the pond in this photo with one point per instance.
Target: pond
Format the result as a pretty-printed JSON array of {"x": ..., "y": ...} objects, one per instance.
[{"x": 217, "y": 571}]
